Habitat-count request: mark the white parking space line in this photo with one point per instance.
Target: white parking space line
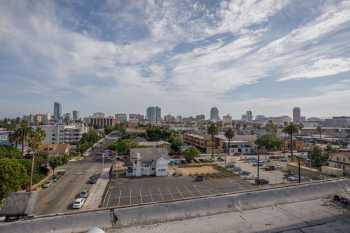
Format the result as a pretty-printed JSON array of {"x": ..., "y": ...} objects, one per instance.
[
  {"x": 197, "y": 190},
  {"x": 161, "y": 194},
  {"x": 150, "y": 194},
  {"x": 179, "y": 192},
  {"x": 108, "y": 198},
  {"x": 188, "y": 190},
  {"x": 120, "y": 194},
  {"x": 141, "y": 197},
  {"x": 130, "y": 201},
  {"x": 171, "y": 194}
]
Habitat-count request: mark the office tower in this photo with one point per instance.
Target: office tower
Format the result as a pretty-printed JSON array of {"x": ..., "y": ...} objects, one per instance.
[
  {"x": 154, "y": 114},
  {"x": 57, "y": 111},
  {"x": 214, "y": 114},
  {"x": 296, "y": 115},
  {"x": 249, "y": 115},
  {"x": 75, "y": 115}
]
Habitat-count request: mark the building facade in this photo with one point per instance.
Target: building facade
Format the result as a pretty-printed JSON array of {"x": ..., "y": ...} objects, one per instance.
[
  {"x": 147, "y": 162},
  {"x": 57, "y": 111},
  {"x": 63, "y": 134},
  {"x": 296, "y": 115},
  {"x": 154, "y": 114},
  {"x": 214, "y": 114}
]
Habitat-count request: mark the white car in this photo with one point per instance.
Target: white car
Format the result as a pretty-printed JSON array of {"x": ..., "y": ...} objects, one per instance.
[{"x": 78, "y": 203}]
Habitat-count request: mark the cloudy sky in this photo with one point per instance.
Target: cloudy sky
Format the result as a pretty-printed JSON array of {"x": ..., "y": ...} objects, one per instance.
[{"x": 185, "y": 56}]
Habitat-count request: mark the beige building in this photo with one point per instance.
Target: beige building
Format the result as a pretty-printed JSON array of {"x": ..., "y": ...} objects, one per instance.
[{"x": 341, "y": 160}]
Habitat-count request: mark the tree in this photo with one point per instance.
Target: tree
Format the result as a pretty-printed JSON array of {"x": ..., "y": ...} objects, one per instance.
[
  {"x": 57, "y": 161},
  {"x": 230, "y": 133},
  {"x": 317, "y": 157},
  {"x": 212, "y": 130},
  {"x": 291, "y": 129},
  {"x": 319, "y": 131},
  {"x": 269, "y": 142},
  {"x": 123, "y": 146},
  {"x": 13, "y": 176},
  {"x": 190, "y": 153},
  {"x": 35, "y": 139},
  {"x": 10, "y": 152},
  {"x": 271, "y": 128},
  {"x": 175, "y": 145},
  {"x": 22, "y": 134}
]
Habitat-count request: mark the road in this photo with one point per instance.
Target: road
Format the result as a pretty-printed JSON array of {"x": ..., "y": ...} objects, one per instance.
[{"x": 60, "y": 195}]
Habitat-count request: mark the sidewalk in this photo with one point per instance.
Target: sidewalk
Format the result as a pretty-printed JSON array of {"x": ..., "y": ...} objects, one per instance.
[{"x": 96, "y": 192}]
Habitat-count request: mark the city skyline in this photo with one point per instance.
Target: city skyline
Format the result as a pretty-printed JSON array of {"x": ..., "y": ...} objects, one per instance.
[{"x": 185, "y": 56}]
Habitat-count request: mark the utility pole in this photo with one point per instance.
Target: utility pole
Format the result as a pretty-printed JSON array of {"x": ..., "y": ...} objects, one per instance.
[
  {"x": 299, "y": 177},
  {"x": 258, "y": 167}
]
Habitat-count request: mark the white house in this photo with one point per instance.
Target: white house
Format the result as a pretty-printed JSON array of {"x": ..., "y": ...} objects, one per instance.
[{"x": 148, "y": 162}]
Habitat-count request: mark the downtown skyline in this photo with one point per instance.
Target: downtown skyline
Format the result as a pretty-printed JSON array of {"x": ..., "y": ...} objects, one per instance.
[{"x": 184, "y": 56}]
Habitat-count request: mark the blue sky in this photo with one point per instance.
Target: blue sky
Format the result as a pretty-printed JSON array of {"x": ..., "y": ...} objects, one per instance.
[{"x": 185, "y": 56}]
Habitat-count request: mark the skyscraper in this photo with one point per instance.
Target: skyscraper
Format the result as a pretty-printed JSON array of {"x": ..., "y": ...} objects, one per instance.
[
  {"x": 296, "y": 115},
  {"x": 75, "y": 115},
  {"x": 214, "y": 114},
  {"x": 57, "y": 111},
  {"x": 154, "y": 114},
  {"x": 249, "y": 115}
]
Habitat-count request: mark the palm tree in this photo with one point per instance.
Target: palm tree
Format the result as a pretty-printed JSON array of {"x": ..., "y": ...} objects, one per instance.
[
  {"x": 319, "y": 131},
  {"x": 35, "y": 139},
  {"x": 230, "y": 133},
  {"x": 22, "y": 134},
  {"x": 291, "y": 129},
  {"x": 212, "y": 130},
  {"x": 14, "y": 138}
]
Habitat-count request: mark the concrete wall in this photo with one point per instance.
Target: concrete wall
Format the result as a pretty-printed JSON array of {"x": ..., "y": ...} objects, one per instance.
[{"x": 161, "y": 212}]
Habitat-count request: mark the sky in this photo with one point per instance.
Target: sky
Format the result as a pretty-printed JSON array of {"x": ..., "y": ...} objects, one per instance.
[{"x": 185, "y": 56}]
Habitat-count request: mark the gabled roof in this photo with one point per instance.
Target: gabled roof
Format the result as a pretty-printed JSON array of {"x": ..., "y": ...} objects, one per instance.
[{"x": 149, "y": 153}]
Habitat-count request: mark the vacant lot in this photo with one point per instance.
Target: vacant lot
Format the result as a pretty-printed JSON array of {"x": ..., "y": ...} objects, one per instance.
[
  {"x": 190, "y": 171},
  {"x": 133, "y": 191}
]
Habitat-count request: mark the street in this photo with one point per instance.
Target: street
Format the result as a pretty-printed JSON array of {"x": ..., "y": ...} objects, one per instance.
[{"x": 58, "y": 197}]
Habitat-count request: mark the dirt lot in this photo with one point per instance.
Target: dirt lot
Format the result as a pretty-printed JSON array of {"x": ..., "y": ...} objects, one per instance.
[{"x": 189, "y": 171}]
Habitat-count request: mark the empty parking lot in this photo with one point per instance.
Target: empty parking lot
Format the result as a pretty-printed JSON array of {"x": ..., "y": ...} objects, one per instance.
[{"x": 133, "y": 191}]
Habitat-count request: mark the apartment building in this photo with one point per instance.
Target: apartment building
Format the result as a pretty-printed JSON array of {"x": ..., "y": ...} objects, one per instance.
[
  {"x": 63, "y": 134},
  {"x": 101, "y": 122}
]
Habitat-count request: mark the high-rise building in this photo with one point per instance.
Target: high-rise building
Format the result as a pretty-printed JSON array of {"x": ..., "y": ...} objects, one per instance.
[
  {"x": 75, "y": 115},
  {"x": 121, "y": 117},
  {"x": 227, "y": 120},
  {"x": 154, "y": 114},
  {"x": 296, "y": 115},
  {"x": 249, "y": 115},
  {"x": 57, "y": 111},
  {"x": 214, "y": 114}
]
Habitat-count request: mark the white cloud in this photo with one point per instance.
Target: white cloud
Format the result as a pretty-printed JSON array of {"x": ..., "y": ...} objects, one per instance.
[{"x": 320, "y": 68}]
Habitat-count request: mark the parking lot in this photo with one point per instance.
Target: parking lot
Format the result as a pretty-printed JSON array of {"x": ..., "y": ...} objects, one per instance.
[{"x": 133, "y": 191}]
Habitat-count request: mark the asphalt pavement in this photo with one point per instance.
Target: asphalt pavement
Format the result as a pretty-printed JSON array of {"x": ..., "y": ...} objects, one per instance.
[{"x": 59, "y": 196}]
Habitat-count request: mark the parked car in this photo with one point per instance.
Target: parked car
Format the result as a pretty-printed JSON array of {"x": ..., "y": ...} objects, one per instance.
[
  {"x": 78, "y": 203},
  {"x": 84, "y": 194},
  {"x": 199, "y": 178},
  {"x": 261, "y": 181},
  {"x": 246, "y": 175},
  {"x": 292, "y": 178},
  {"x": 270, "y": 168},
  {"x": 46, "y": 185}
]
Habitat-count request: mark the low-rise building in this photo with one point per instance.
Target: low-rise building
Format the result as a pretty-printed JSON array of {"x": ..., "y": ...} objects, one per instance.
[
  {"x": 341, "y": 159},
  {"x": 147, "y": 162},
  {"x": 55, "y": 149}
]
